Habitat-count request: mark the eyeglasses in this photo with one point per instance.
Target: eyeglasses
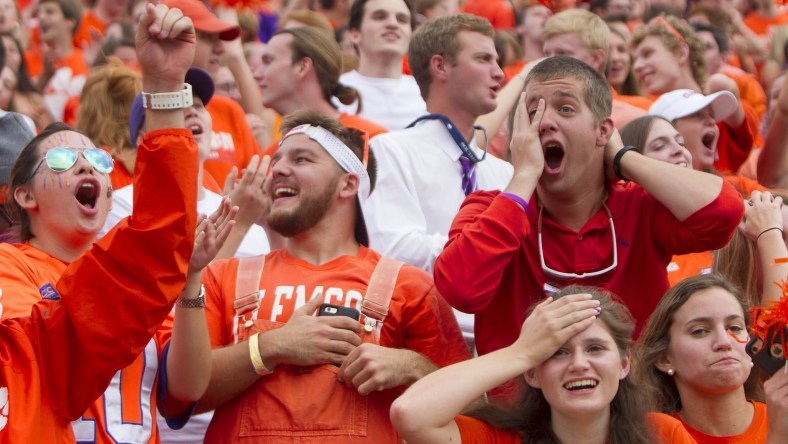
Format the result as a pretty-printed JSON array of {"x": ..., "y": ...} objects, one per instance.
[
  {"x": 560, "y": 274},
  {"x": 62, "y": 158}
]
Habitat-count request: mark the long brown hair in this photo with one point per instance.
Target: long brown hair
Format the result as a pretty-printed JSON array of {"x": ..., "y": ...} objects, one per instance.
[
  {"x": 530, "y": 417},
  {"x": 655, "y": 341}
]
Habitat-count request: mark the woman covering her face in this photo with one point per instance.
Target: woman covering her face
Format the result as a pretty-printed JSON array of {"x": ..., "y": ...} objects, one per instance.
[{"x": 574, "y": 353}]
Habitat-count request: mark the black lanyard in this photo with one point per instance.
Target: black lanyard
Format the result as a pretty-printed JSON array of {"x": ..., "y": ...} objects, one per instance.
[{"x": 467, "y": 151}]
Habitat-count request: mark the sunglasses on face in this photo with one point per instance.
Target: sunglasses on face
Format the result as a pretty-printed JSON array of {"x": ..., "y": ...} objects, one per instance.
[{"x": 62, "y": 158}]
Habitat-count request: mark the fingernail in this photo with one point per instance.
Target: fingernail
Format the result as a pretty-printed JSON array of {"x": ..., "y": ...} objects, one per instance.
[{"x": 598, "y": 310}]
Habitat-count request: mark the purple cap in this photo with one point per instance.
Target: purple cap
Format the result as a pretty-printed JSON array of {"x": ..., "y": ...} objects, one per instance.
[{"x": 202, "y": 86}]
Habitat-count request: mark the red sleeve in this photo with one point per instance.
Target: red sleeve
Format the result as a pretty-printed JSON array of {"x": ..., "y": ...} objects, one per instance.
[
  {"x": 735, "y": 143},
  {"x": 426, "y": 322},
  {"x": 709, "y": 228},
  {"x": 115, "y": 296},
  {"x": 488, "y": 229}
]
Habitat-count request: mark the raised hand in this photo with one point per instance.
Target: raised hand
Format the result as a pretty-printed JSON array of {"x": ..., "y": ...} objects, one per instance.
[
  {"x": 762, "y": 211},
  {"x": 248, "y": 193},
  {"x": 165, "y": 44},
  {"x": 211, "y": 233},
  {"x": 552, "y": 323},
  {"x": 526, "y": 148}
]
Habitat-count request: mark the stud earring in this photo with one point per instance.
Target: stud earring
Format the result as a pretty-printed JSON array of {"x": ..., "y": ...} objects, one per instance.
[
  {"x": 671, "y": 372},
  {"x": 752, "y": 364}
]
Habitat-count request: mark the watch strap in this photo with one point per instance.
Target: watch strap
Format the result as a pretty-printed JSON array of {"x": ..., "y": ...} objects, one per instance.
[
  {"x": 169, "y": 100},
  {"x": 198, "y": 302}
]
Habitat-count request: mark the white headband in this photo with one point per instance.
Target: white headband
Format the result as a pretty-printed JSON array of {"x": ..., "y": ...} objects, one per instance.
[{"x": 339, "y": 151}]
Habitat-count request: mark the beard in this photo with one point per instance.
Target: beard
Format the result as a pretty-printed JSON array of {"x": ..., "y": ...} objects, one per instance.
[{"x": 310, "y": 211}]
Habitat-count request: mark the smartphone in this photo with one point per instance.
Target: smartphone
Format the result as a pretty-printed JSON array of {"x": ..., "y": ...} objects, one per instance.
[
  {"x": 338, "y": 310},
  {"x": 769, "y": 356}
]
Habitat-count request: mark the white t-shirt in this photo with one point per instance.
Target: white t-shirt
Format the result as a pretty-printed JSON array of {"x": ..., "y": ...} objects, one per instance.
[
  {"x": 254, "y": 243},
  {"x": 418, "y": 193},
  {"x": 392, "y": 103}
]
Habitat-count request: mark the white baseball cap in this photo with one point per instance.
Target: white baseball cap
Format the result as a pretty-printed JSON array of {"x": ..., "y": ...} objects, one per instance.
[{"x": 684, "y": 102}]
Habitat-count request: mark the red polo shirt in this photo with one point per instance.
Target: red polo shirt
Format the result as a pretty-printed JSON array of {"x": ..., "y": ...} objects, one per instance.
[{"x": 491, "y": 267}]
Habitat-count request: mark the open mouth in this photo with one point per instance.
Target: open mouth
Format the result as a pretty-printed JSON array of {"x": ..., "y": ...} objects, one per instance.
[
  {"x": 87, "y": 194},
  {"x": 282, "y": 192},
  {"x": 709, "y": 140},
  {"x": 583, "y": 384},
  {"x": 196, "y": 130},
  {"x": 553, "y": 157}
]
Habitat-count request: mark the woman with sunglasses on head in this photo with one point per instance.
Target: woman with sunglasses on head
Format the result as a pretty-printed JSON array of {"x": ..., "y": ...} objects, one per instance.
[
  {"x": 574, "y": 352},
  {"x": 691, "y": 359}
]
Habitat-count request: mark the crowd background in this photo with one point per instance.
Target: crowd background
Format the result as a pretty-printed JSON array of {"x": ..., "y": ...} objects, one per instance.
[{"x": 696, "y": 88}]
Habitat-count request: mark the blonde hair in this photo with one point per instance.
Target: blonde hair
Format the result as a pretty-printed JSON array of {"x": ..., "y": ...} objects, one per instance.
[
  {"x": 697, "y": 50},
  {"x": 105, "y": 105},
  {"x": 587, "y": 27}
]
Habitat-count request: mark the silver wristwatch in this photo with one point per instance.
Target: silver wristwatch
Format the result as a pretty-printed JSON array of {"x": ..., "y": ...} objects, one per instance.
[{"x": 198, "y": 302}]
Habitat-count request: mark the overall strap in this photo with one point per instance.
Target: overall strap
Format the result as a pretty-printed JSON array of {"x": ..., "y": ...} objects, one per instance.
[
  {"x": 247, "y": 283},
  {"x": 380, "y": 289}
]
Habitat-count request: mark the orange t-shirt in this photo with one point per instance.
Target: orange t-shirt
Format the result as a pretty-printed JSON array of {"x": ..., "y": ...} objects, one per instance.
[
  {"x": 637, "y": 101},
  {"x": 75, "y": 61},
  {"x": 498, "y": 12},
  {"x": 667, "y": 430},
  {"x": 419, "y": 319},
  {"x": 755, "y": 433},
  {"x": 744, "y": 185},
  {"x": 349, "y": 121},
  {"x": 763, "y": 26},
  {"x": 232, "y": 141},
  {"x": 512, "y": 70},
  {"x": 55, "y": 362},
  {"x": 126, "y": 411},
  {"x": 749, "y": 89},
  {"x": 687, "y": 265},
  {"x": 89, "y": 21}
]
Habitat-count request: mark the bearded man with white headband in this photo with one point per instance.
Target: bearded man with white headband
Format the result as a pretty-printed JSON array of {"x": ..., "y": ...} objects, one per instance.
[{"x": 279, "y": 372}]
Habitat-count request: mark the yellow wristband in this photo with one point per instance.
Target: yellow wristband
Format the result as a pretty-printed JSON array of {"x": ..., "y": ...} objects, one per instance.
[{"x": 254, "y": 355}]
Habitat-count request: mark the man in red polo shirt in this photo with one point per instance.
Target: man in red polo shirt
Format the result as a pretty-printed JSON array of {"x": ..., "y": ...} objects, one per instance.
[{"x": 561, "y": 221}]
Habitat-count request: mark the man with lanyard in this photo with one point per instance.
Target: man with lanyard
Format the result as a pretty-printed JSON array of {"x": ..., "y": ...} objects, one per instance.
[
  {"x": 579, "y": 226},
  {"x": 426, "y": 171}
]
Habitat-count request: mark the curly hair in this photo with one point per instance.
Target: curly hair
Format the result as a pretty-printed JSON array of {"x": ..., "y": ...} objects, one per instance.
[{"x": 670, "y": 38}]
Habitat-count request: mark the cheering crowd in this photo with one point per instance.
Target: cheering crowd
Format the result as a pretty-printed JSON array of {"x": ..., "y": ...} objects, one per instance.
[{"x": 388, "y": 221}]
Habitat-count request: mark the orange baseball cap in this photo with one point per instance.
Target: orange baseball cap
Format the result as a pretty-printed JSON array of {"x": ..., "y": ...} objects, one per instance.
[{"x": 204, "y": 19}]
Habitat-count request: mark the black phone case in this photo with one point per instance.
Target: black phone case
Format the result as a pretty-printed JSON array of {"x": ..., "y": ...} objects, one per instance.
[
  {"x": 768, "y": 356},
  {"x": 338, "y": 310}
]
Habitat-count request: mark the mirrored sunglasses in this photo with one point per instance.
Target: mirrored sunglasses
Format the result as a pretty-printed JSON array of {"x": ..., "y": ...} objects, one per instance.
[{"x": 62, "y": 158}]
